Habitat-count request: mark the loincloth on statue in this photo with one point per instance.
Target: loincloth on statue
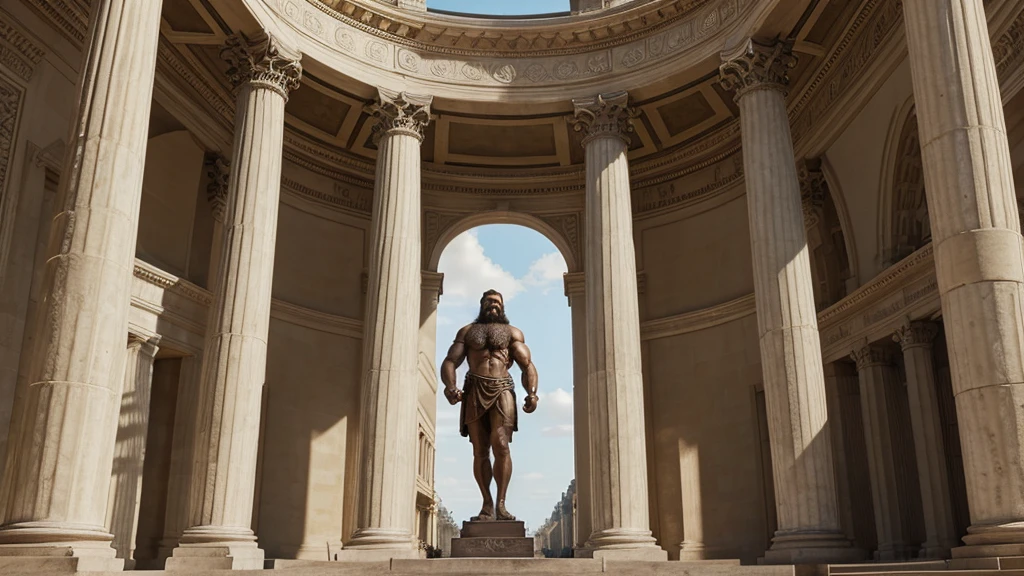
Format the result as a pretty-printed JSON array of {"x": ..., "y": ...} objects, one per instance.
[{"x": 481, "y": 395}]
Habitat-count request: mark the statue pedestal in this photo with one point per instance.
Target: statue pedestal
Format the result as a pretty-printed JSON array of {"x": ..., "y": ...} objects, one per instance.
[{"x": 493, "y": 539}]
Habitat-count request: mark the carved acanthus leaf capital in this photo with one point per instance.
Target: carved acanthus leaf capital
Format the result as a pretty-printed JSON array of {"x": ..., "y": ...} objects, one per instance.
[
  {"x": 916, "y": 334},
  {"x": 262, "y": 61},
  {"x": 400, "y": 112},
  {"x": 872, "y": 355},
  {"x": 754, "y": 65},
  {"x": 604, "y": 115},
  {"x": 813, "y": 189},
  {"x": 218, "y": 170}
]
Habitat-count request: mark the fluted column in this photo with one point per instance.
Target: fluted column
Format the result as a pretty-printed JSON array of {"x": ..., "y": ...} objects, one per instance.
[
  {"x": 575, "y": 292},
  {"x": 877, "y": 375},
  {"x": 235, "y": 352},
  {"x": 794, "y": 386},
  {"x": 621, "y": 518},
  {"x": 387, "y": 469},
  {"x": 692, "y": 547},
  {"x": 59, "y": 477},
  {"x": 130, "y": 447},
  {"x": 916, "y": 340},
  {"x": 978, "y": 258}
]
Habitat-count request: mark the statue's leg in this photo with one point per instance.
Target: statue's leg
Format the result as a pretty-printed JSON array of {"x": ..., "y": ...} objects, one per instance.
[
  {"x": 479, "y": 436},
  {"x": 501, "y": 434}
]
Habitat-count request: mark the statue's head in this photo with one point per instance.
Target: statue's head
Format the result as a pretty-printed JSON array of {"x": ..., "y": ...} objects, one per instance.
[{"x": 492, "y": 308}]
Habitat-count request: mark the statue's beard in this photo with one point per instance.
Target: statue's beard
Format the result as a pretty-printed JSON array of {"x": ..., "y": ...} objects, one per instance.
[{"x": 488, "y": 316}]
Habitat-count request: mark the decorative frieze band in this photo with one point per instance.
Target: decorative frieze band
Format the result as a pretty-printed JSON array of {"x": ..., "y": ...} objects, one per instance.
[
  {"x": 754, "y": 65},
  {"x": 262, "y": 61},
  {"x": 17, "y": 52},
  {"x": 604, "y": 115},
  {"x": 400, "y": 112}
]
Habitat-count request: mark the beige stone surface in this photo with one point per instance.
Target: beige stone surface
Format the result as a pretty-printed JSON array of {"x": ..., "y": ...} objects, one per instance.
[
  {"x": 57, "y": 482},
  {"x": 978, "y": 256}
]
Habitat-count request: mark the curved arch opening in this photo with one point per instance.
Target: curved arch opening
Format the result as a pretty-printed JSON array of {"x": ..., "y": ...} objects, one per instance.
[
  {"x": 527, "y": 268},
  {"x": 559, "y": 238}
]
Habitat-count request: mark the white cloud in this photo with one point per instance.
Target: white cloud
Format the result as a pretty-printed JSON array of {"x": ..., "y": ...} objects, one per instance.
[
  {"x": 557, "y": 404},
  {"x": 546, "y": 272},
  {"x": 558, "y": 431},
  {"x": 468, "y": 272},
  {"x": 533, "y": 476}
]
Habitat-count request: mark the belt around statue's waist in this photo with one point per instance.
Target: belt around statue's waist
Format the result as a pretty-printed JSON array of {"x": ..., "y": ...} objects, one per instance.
[{"x": 501, "y": 383}]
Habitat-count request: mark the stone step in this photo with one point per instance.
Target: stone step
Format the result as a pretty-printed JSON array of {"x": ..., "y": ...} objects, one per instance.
[{"x": 924, "y": 565}]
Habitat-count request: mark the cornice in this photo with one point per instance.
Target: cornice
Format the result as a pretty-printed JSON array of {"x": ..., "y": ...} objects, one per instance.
[
  {"x": 698, "y": 320},
  {"x": 157, "y": 277},
  {"x": 316, "y": 320},
  {"x": 918, "y": 262},
  {"x": 69, "y": 17}
]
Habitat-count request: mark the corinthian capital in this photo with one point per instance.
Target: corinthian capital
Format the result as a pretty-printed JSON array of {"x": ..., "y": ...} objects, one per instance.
[
  {"x": 262, "y": 61},
  {"x": 400, "y": 112},
  {"x": 608, "y": 115},
  {"x": 754, "y": 65},
  {"x": 871, "y": 355},
  {"x": 916, "y": 334}
]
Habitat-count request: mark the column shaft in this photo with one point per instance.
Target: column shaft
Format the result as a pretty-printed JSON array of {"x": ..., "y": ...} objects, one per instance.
[
  {"x": 877, "y": 375},
  {"x": 235, "y": 351},
  {"x": 978, "y": 257},
  {"x": 130, "y": 447},
  {"x": 387, "y": 476},
  {"x": 59, "y": 477},
  {"x": 834, "y": 373},
  {"x": 620, "y": 514},
  {"x": 809, "y": 529},
  {"x": 916, "y": 341},
  {"x": 692, "y": 547},
  {"x": 581, "y": 408}
]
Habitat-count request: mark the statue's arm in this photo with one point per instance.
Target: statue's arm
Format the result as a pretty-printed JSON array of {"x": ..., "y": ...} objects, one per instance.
[
  {"x": 521, "y": 355},
  {"x": 456, "y": 356}
]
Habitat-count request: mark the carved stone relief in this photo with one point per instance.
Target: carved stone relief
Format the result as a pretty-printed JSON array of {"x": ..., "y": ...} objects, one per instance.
[{"x": 17, "y": 53}]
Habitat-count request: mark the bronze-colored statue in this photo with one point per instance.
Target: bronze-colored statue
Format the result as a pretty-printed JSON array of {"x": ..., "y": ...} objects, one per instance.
[{"x": 488, "y": 399}]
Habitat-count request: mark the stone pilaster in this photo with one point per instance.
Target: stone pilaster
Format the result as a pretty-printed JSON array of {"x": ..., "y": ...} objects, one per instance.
[
  {"x": 916, "y": 340},
  {"x": 179, "y": 480},
  {"x": 387, "y": 469},
  {"x": 574, "y": 291},
  {"x": 620, "y": 515},
  {"x": 235, "y": 353},
  {"x": 978, "y": 258},
  {"x": 835, "y": 376},
  {"x": 692, "y": 547},
  {"x": 877, "y": 375},
  {"x": 794, "y": 386},
  {"x": 59, "y": 478},
  {"x": 130, "y": 447}
]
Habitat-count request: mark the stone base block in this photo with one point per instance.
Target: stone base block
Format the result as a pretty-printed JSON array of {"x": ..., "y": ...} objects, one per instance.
[
  {"x": 494, "y": 529},
  {"x": 478, "y": 566},
  {"x": 58, "y": 559},
  {"x": 491, "y": 547},
  {"x": 193, "y": 558},
  {"x": 987, "y": 563},
  {"x": 920, "y": 566},
  {"x": 379, "y": 555},
  {"x": 812, "y": 548},
  {"x": 642, "y": 554}
]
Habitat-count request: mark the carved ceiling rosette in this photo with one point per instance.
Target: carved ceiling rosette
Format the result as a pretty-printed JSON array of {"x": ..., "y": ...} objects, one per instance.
[
  {"x": 262, "y": 61},
  {"x": 604, "y": 115},
  {"x": 400, "y": 112},
  {"x": 754, "y": 66}
]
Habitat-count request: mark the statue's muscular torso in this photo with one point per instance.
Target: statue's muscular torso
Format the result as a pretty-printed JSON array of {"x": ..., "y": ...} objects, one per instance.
[{"x": 488, "y": 347}]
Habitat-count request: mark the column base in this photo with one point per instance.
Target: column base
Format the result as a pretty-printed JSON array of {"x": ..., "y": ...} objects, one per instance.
[
  {"x": 990, "y": 548},
  {"x": 194, "y": 557},
  {"x": 812, "y": 548},
  {"x": 57, "y": 559},
  {"x": 622, "y": 544},
  {"x": 690, "y": 550}
]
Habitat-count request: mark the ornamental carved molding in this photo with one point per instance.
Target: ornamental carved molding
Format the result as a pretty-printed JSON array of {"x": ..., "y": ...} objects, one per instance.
[
  {"x": 18, "y": 53},
  {"x": 813, "y": 189},
  {"x": 535, "y": 55},
  {"x": 755, "y": 65},
  {"x": 1008, "y": 48},
  {"x": 69, "y": 17},
  {"x": 218, "y": 172},
  {"x": 11, "y": 98},
  {"x": 916, "y": 334},
  {"x": 400, "y": 112},
  {"x": 262, "y": 62},
  {"x": 603, "y": 116}
]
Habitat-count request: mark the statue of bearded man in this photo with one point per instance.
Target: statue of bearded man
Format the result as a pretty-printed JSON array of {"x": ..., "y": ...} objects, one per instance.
[{"x": 488, "y": 398}]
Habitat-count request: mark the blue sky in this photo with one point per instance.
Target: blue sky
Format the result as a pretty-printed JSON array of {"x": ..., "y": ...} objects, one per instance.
[
  {"x": 501, "y": 7},
  {"x": 527, "y": 268}
]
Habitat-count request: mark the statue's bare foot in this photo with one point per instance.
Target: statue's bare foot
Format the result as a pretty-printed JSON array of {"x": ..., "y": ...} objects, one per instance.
[
  {"x": 486, "y": 514},
  {"x": 503, "y": 514}
]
